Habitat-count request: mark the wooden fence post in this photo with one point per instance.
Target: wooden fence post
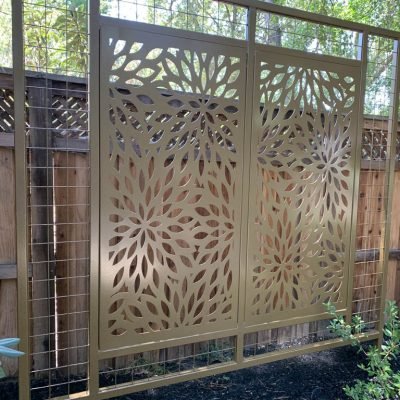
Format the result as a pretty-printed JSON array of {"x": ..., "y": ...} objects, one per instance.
[
  {"x": 41, "y": 219},
  {"x": 393, "y": 277}
]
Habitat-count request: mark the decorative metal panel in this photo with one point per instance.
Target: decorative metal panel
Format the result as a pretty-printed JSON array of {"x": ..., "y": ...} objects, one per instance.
[
  {"x": 303, "y": 150},
  {"x": 171, "y": 145}
]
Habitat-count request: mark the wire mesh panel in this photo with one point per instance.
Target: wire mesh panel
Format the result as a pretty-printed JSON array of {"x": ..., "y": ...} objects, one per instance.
[
  {"x": 288, "y": 337},
  {"x": 207, "y": 16},
  {"x": 159, "y": 364},
  {"x": 374, "y": 188},
  {"x": 56, "y": 71},
  {"x": 305, "y": 128},
  {"x": 281, "y": 31},
  {"x": 172, "y": 134}
]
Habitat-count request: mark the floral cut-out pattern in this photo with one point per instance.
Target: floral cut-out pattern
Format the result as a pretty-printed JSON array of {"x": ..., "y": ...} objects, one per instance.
[
  {"x": 172, "y": 143},
  {"x": 303, "y": 170}
]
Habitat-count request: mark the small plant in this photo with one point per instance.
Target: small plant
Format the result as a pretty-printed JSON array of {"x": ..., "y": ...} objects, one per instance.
[
  {"x": 383, "y": 380},
  {"x": 217, "y": 353},
  {"x": 142, "y": 366}
]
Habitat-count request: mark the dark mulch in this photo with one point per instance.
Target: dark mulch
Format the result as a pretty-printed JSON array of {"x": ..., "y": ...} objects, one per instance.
[{"x": 317, "y": 376}]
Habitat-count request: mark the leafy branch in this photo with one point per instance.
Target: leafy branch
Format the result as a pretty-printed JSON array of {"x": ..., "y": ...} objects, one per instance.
[{"x": 383, "y": 380}]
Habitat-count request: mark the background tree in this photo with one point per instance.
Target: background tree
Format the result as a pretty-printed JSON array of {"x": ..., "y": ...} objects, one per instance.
[{"x": 56, "y": 35}]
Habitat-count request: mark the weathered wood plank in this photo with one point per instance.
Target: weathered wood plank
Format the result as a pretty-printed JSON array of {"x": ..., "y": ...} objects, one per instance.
[
  {"x": 71, "y": 198},
  {"x": 393, "y": 277},
  {"x": 8, "y": 288},
  {"x": 370, "y": 210},
  {"x": 7, "y": 140}
]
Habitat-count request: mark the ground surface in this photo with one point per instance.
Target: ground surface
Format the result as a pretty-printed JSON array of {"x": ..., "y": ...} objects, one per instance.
[{"x": 317, "y": 376}]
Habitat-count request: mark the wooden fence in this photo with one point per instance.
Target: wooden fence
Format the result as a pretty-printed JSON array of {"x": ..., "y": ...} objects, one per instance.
[{"x": 59, "y": 180}]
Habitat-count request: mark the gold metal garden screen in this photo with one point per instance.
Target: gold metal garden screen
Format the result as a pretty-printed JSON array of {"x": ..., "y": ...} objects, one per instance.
[
  {"x": 225, "y": 172},
  {"x": 172, "y": 139}
]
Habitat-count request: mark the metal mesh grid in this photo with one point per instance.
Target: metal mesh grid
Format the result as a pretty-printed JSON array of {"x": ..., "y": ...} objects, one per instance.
[
  {"x": 58, "y": 204},
  {"x": 280, "y": 31},
  {"x": 55, "y": 36},
  {"x": 207, "y": 16},
  {"x": 289, "y": 337},
  {"x": 373, "y": 189},
  {"x": 374, "y": 140},
  {"x": 379, "y": 79},
  {"x": 154, "y": 364}
]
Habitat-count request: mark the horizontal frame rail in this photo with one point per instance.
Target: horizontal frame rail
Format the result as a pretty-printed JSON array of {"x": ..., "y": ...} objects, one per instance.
[{"x": 313, "y": 17}]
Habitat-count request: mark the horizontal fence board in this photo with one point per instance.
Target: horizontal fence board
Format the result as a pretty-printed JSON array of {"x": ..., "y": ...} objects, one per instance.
[{"x": 7, "y": 140}]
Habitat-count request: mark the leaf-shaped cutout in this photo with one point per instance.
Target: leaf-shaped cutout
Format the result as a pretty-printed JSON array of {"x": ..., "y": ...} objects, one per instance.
[
  {"x": 146, "y": 72},
  {"x": 115, "y": 240},
  {"x": 225, "y": 211},
  {"x": 202, "y": 211},
  {"x": 212, "y": 244},
  {"x": 119, "y": 255},
  {"x": 154, "y": 53},
  {"x": 167, "y": 292},
  {"x": 199, "y": 309},
  {"x": 168, "y": 248},
  {"x": 115, "y": 306},
  {"x": 186, "y": 261},
  {"x": 169, "y": 176},
  {"x": 175, "y": 228},
  {"x": 214, "y": 277},
  {"x": 152, "y": 308},
  {"x": 156, "y": 278},
  {"x": 213, "y": 189},
  {"x": 121, "y": 228},
  {"x": 204, "y": 258},
  {"x": 227, "y": 309},
  {"x": 176, "y": 103},
  {"x": 182, "y": 243},
  {"x": 176, "y": 301},
  {"x": 167, "y": 194},
  {"x": 199, "y": 276},
  {"x": 132, "y": 65},
  {"x": 145, "y": 99},
  {"x": 118, "y": 277},
  {"x": 165, "y": 309},
  {"x": 135, "y": 311},
  {"x": 142, "y": 181}
]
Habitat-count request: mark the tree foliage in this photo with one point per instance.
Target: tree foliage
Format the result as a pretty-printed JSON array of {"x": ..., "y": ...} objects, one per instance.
[{"x": 56, "y": 32}]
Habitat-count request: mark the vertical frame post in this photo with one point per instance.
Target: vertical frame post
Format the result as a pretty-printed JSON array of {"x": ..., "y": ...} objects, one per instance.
[
  {"x": 363, "y": 57},
  {"x": 21, "y": 195},
  {"x": 94, "y": 62},
  {"x": 389, "y": 181},
  {"x": 251, "y": 30}
]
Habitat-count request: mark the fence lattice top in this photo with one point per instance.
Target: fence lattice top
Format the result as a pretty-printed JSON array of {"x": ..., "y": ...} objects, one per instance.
[{"x": 69, "y": 120}]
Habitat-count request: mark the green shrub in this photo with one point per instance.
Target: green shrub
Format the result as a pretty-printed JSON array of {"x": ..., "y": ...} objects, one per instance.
[{"x": 383, "y": 379}]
